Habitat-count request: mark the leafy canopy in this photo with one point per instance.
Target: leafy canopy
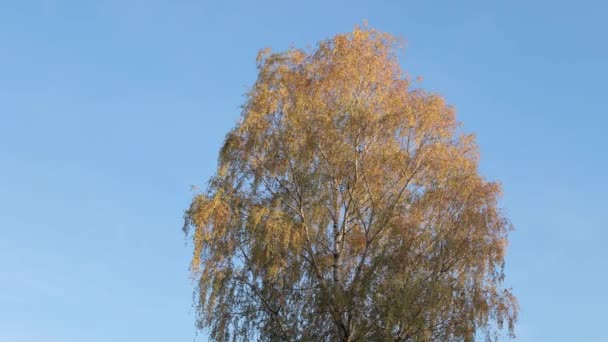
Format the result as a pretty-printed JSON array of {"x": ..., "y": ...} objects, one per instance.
[{"x": 348, "y": 207}]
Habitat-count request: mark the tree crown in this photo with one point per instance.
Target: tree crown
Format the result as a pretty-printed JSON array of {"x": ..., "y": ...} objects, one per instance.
[{"x": 348, "y": 206}]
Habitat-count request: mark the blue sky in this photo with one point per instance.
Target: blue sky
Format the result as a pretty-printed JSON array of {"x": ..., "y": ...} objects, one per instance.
[{"x": 111, "y": 110}]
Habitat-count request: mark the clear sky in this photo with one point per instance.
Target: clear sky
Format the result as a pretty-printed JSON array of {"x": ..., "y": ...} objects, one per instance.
[{"x": 111, "y": 110}]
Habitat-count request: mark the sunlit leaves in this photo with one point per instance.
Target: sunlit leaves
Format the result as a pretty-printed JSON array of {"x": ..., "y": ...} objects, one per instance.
[{"x": 348, "y": 207}]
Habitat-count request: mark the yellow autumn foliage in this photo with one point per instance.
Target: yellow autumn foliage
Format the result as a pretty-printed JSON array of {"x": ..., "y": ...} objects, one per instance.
[{"x": 348, "y": 207}]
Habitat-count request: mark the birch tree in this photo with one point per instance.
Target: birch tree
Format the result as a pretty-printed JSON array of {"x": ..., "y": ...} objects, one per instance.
[{"x": 348, "y": 206}]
